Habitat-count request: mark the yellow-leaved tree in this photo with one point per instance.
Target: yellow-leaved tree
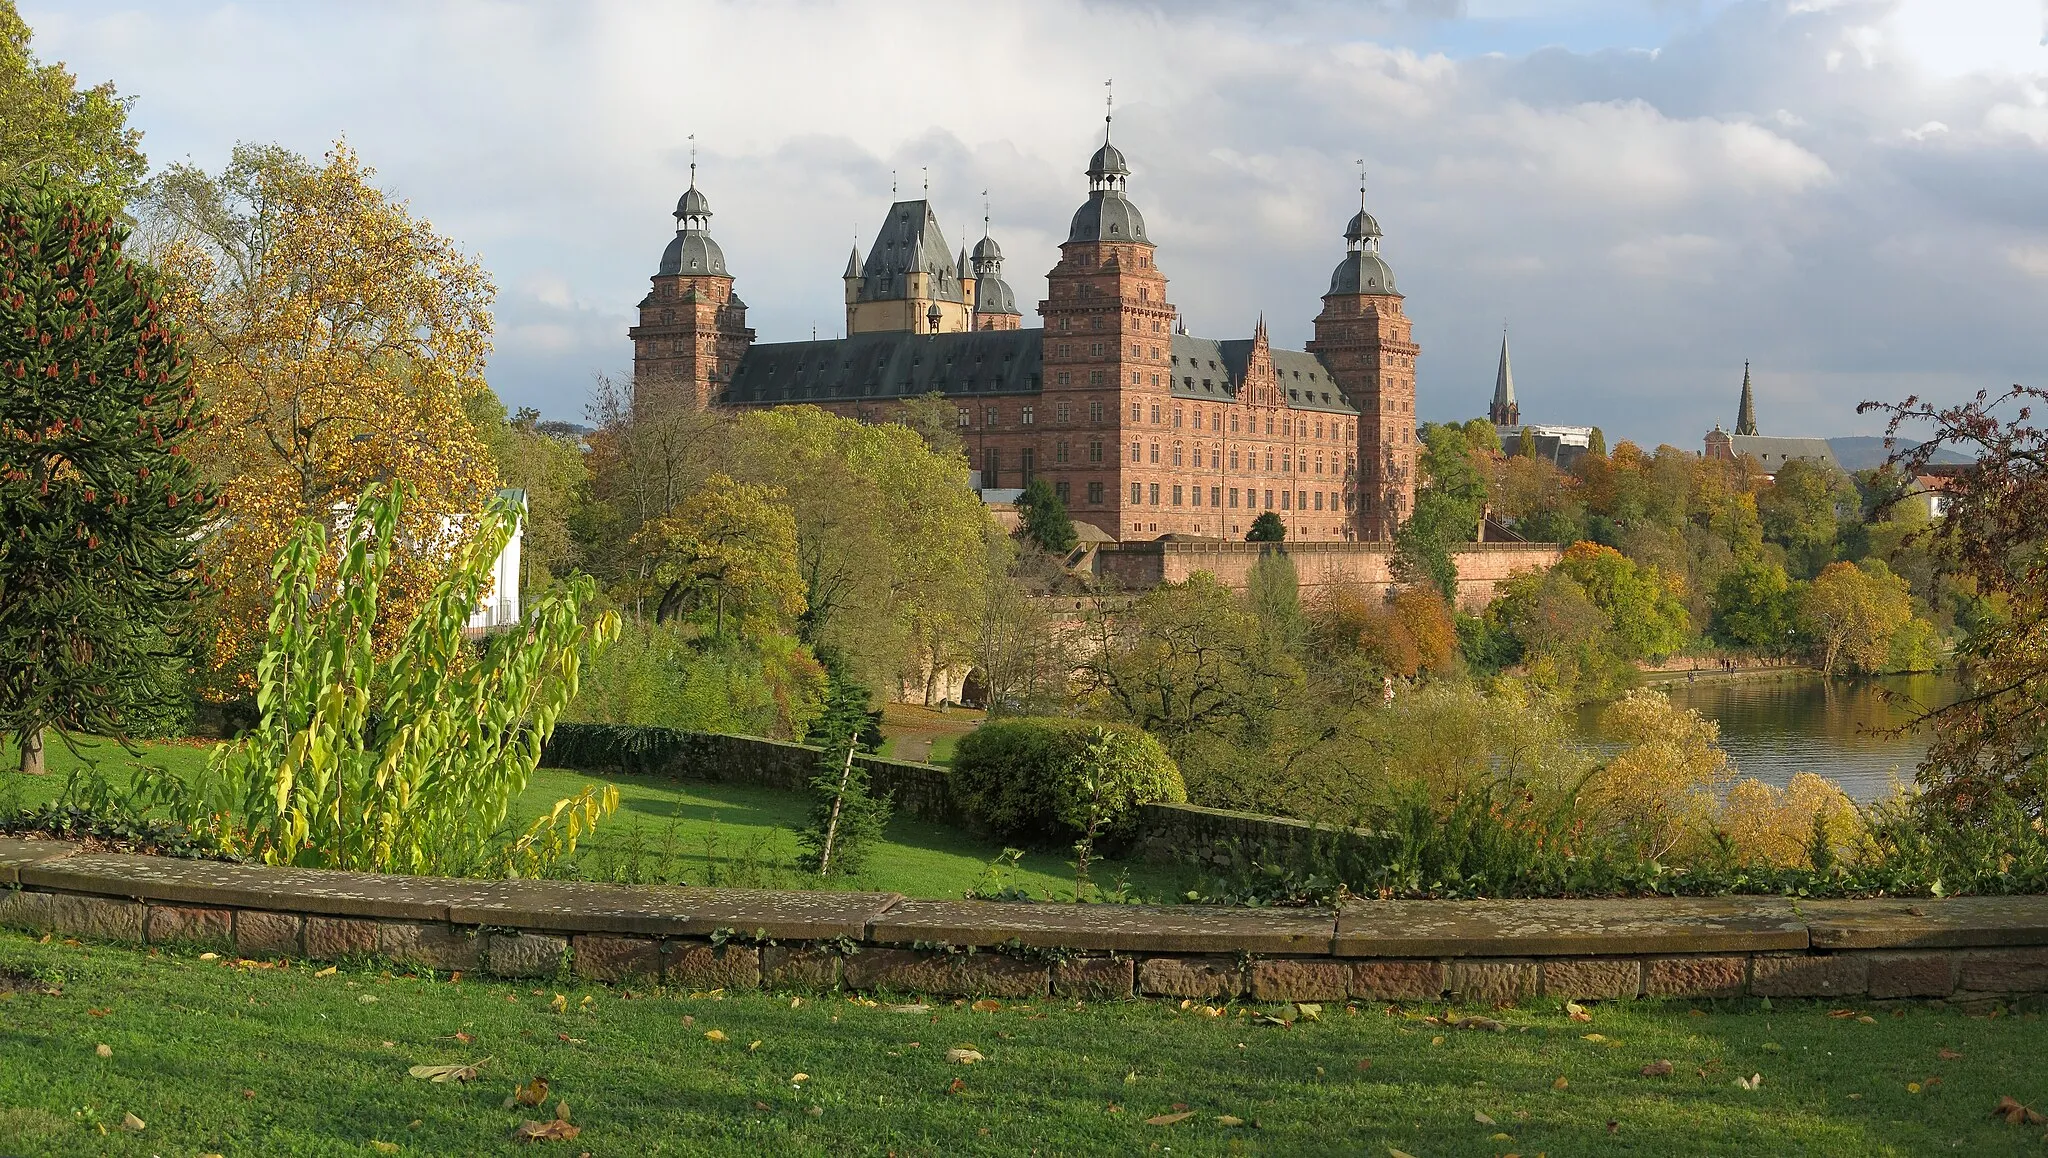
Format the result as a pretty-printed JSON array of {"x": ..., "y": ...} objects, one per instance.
[{"x": 337, "y": 338}]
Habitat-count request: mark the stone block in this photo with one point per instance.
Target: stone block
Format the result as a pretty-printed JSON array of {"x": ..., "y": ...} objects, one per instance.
[
  {"x": 265, "y": 934},
  {"x": 610, "y": 957},
  {"x": 700, "y": 965},
  {"x": 1840, "y": 975},
  {"x": 1582, "y": 978},
  {"x": 1105, "y": 928},
  {"x": 1398, "y": 980},
  {"x": 1695, "y": 976},
  {"x": 524, "y": 954},
  {"x": 429, "y": 945},
  {"x": 1300, "y": 980},
  {"x": 16, "y": 852},
  {"x": 21, "y": 910},
  {"x": 1198, "y": 977},
  {"x": 332, "y": 938},
  {"x": 96, "y": 917},
  {"x": 960, "y": 974},
  {"x": 179, "y": 925},
  {"x": 784, "y": 967},
  {"x": 1567, "y": 928},
  {"x": 2004, "y": 971},
  {"x": 1493, "y": 982},
  {"x": 1911, "y": 974},
  {"x": 1094, "y": 978}
]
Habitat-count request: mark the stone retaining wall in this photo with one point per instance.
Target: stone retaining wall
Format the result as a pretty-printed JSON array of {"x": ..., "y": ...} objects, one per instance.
[{"x": 1958, "y": 949}]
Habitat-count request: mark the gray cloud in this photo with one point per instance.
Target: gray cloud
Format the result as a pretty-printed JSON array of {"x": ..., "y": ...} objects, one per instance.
[{"x": 1821, "y": 186}]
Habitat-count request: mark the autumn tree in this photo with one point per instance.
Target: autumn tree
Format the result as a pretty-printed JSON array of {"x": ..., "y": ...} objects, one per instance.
[
  {"x": 1448, "y": 507},
  {"x": 54, "y": 133},
  {"x": 1658, "y": 795},
  {"x": 339, "y": 339},
  {"x": 1755, "y": 605},
  {"x": 730, "y": 548},
  {"x": 100, "y": 506},
  {"x": 1852, "y": 612},
  {"x": 549, "y": 469},
  {"x": 1643, "y": 605},
  {"x": 1802, "y": 509}
]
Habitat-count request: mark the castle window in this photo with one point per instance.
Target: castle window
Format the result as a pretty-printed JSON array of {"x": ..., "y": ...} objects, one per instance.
[
  {"x": 1176, "y": 417},
  {"x": 1155, "y": 454},
  {"x": 1319, "y": 462},
  {"x": 1135, "y": 376},
  {"x": 1155, "y": 414},
  {"x": 966, "y": 419},
  {"x": 1153, "y": 492},
  {"x": 991, "y": 467},
  {"x": 1269, "y": 460},
  {"x": 1198, "y": 419},
  {"x": 1176, "y": 454},
  {"x": 1064, "y": 378},
  {"x": 1137, "y": 493},
  {"x": 1269, "y": 424},
  {"x": 1025, "y": 418},
  {"x": 1095, "y": 323},
  {"x": 1233, "y": 428},
  {"x": 676, "y": 346},
  {"x": 1025, "y": 458},
  {"x": 1060, "y": 411},
  {"x": 1285, "y": 496},
  {"x": 1319, "y": 428},
  {"x": 994, "y": 415},
  {"x": 1215, "y": 496},
  {"x": 1095, "y": 494},
  {"x": 1095, "y": 410},
  {"x": 1195, "y": 496},
  {"x": 668, "y": 315},
  {"x": 1287, "y": 428},
  {"x": 1064, "y": 322},
  {"x": 1144, "y": 295},
  {"x": 1319, "y": 500},
  {"x": 1300, "y": 497},
  {"x": 1064, "y": 491},
  {"x": 1269, "y": 500},
  {"x": 1094, "y": 450},
  {"x": 1286, "y": 462},
  {"x": 1188, "y": 382},
  {"x": 1137, "y": 412},
  {"x": 1095, "y": 377},
  {"x": 1233, "y": 460},
  {"x": 1176, "y": 494},
  {"x": 1137, "y": 452},
  {"x": 1215, "y": 458},
  {"x": 1233, "y": 496}
]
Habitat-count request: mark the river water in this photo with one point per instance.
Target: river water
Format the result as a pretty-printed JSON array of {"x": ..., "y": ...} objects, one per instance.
[{"x": 1775, "y": 727}]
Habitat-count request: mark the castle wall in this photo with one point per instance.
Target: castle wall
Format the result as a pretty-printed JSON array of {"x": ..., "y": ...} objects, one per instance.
[{"x": 1482, "y": 567}]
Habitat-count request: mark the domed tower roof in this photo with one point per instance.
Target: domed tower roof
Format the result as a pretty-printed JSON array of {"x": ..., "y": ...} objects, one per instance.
[
  {"x": 1363, "y": 270},
  {"x": 992, "y": 295},
  {"x": 1108, "y": 161},
  {"x": 692, "y": 253},
  {"x": 1107, "y": 215},
  {"x": 987, "y": 250}
]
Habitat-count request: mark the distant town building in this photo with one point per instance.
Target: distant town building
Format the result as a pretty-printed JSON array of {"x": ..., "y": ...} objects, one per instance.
[
  {"x": 1143, "y": 429},
  {"x": 1770, "y": 452},
  {"x": 1561, "y": 446}
]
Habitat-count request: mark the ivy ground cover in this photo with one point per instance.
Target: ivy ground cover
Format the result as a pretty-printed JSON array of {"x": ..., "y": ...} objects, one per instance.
[{"x": 212, "y": 1056}]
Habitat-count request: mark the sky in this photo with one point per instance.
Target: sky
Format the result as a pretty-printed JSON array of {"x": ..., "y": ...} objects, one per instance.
[{"x": 1852, "y": 195}]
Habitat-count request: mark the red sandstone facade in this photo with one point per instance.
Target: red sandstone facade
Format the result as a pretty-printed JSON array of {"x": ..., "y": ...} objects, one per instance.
[{"x": 1143, "y": 431}]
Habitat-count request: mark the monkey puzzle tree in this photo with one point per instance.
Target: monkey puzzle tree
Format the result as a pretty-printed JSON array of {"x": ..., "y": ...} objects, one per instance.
[{"x": 101, "y": 510}]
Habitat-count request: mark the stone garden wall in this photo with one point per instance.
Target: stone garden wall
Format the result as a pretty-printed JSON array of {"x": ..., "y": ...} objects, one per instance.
[{"x": 1969, "y": 950}]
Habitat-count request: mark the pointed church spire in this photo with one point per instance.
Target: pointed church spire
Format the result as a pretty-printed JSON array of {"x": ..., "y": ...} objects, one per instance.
[
  {"x": 1745, "y": 418},
  {"x": 853, "y": 263},
  {"x": 1504, "y": 411}
]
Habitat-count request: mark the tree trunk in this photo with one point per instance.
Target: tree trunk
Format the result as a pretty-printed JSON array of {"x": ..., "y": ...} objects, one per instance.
[{"x": 32, "y": 752}]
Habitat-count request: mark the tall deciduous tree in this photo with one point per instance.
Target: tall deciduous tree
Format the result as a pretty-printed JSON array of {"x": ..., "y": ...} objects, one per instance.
[
  {"x": 1447, "y": 509},
  {"x": 53, "y": 132},
  {"x": 1852, "y": 612},
  {"x": 730, "y": 547},
  {"x": 340, "y": 340},
  {"x": 100, "y": 506}
]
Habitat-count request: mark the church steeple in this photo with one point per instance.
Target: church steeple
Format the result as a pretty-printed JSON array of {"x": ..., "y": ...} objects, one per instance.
[
  {"x": 1745, "y": 418},
  {"x": 1504, "y": 411}
]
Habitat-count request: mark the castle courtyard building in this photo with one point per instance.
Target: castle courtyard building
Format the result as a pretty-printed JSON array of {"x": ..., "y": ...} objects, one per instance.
[{"x": 1142, "y": 429}]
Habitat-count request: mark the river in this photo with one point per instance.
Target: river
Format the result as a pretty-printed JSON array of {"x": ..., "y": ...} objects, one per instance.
[{"x": 1772, "y": 728}]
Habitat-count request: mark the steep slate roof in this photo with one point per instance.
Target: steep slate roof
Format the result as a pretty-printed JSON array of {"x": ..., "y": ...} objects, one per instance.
[
  {"x": 910, "y": 241},
  {"x": 1213, "y": 370},
  {"x": 1773, "y": 452},
  {"x": 888, "y": 364}
]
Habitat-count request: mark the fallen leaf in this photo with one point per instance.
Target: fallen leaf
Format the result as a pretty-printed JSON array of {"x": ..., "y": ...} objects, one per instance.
[
  {"x": 131, "y": 1122},
  {"x": 1751, "y": 1082},
  {"x": 1393, "y": 1153},
  {"x": 1560, "y": 1084},
  {"x": 99, "y": 1012},
  {"x": 559, "y": 1004},
  {"x": 554, "y": 1130},
  {"x": 956, "y": 1086},
  {"x": 1613, "y": 1127},
  {"x": 389, "y": 1044},
  {"x": 209, "y": 956},
  {"x": 1499, "y": 1138},
  {"x": 1485, "y": 1023},
  {"x": 987, "y": 1005},
  {"x": 916, "y": 1008},
  {"x": 462, "y": 1037},
  {"x": 368, "y": 999},
  {"x": 1364, "y": 1063},
  {"x": 103, "y": 1050},
  {"x": 688, "y": 1021},
  {"x": 714, "y": 1035},
  {"x": 1169, "y": 1119},
  {"x": 585, "y": 1004},
  {"x": 447, "y": 1073},
  {"x": 1437, "y": 1040},
  {"x": 1308, "y": 1011},
  {"x": 1657, "y": 1069},
  {"x": 532, "y": 1093},
  {"x": 382, "y": 1147},
  {"x": 1912, "y": 1087},
  {"x": 800, "y": 1077},
  {"x": 2016, "y": 1114},
  {"x": 327, "y": 972},
  {"x": 965, "y": 1057},
  {"x": 1576, "y": 1012},
  {"x": 1480, "y": 1117},
  {"x": 762, "y": 1106},
  {"x": 1228, "y": 1120},
  {"x": 1947, "y": 1054},
  {"x": 1841, "y": 1014},
  {"x": 1595, "y": 1037},
  {"x": 1867, "y": 1019}
]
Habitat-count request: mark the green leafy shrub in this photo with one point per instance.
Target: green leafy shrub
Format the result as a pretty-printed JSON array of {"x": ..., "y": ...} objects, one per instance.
[{"x": 1033, "y": 779}]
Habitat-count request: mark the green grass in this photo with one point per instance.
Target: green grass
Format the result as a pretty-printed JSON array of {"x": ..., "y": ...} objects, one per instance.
[
  {"x": 218, "y": 1059},
  {"x": 669, "y": 831}
]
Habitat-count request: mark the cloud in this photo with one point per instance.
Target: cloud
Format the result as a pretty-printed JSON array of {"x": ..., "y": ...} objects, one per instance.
[{"x": 1744, "y": 183}]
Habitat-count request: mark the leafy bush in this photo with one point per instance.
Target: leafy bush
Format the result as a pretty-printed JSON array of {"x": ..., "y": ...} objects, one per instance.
[{"x": 1030, "y": 778}]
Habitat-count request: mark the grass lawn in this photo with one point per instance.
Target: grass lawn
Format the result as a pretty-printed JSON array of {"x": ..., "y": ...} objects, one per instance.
[
  {"x": 671, "y": 832},
  {"x": 217, "y": 1059}
]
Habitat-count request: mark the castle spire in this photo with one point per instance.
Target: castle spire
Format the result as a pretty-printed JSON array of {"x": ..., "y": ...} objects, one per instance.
[
  {"x": 1745, "y": 418},
  {"x": 1504, "y": 411}
]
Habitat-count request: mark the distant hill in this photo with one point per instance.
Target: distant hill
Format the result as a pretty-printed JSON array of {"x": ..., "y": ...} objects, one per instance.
[{"x": 1867, "y": 452}]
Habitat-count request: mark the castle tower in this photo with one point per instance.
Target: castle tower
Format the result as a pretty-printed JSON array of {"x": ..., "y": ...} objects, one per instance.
[
  {"x": 995, "y": 306},
  {"x": 1108, "y": 338},
  {"x": 1745, "y": 416},
  {"x": 1366, "y": 340},
  {"x": 910, "y": 280},
  {"x": 1504, "y": 411},
  {"x": 693, "y": 328}
]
